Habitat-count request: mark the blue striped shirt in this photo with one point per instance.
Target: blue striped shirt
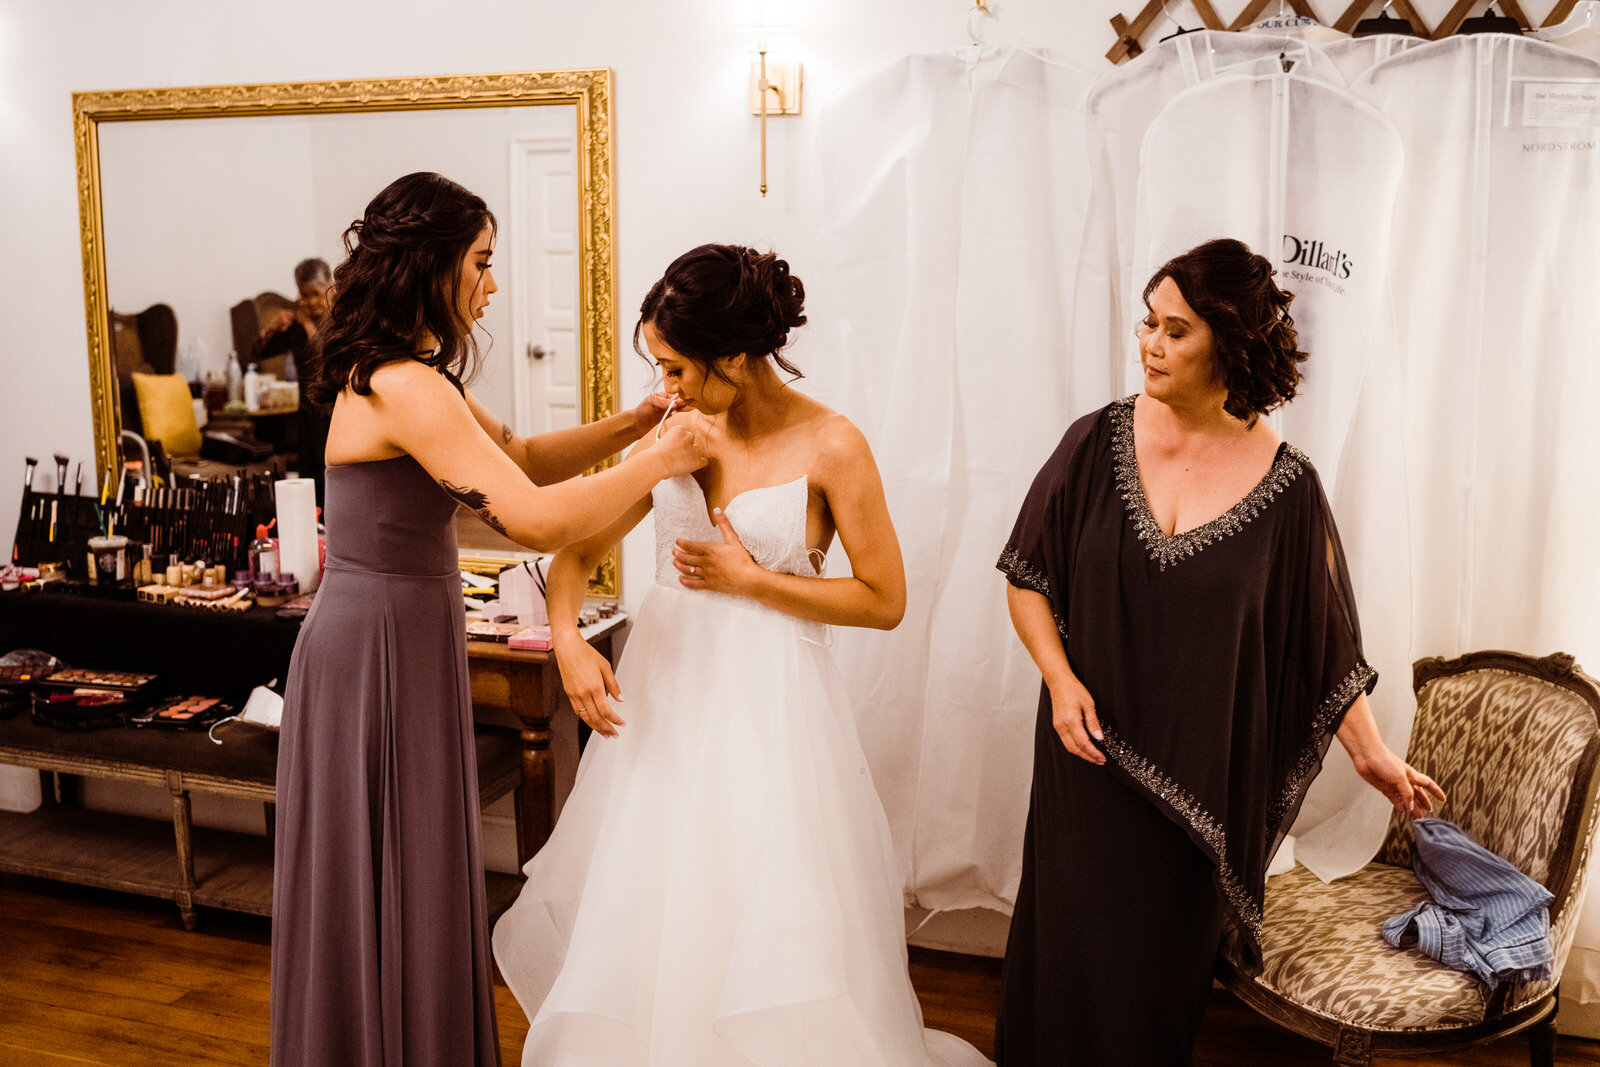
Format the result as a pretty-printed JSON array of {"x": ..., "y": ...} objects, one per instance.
[{"x": 1485, "y": 917}]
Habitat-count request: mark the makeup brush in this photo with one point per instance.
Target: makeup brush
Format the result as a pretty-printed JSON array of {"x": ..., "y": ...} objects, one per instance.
[
  {"x": 61, "y": 474},
  {"x": 27, "y": 480}
]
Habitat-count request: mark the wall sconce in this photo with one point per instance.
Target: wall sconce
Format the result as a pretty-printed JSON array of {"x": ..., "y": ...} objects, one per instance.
[{"x": 775, "y": 86}]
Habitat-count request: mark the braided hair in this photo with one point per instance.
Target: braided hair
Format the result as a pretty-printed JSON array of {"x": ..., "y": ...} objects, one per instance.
[
  {"x": 716, "y": 302},
  {"x": 398, "y": 281},
  {"x": 1253, "y": 336}
]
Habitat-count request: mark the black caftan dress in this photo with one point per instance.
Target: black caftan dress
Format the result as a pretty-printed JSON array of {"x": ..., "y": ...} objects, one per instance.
[{"x": 1221, "y": 661}]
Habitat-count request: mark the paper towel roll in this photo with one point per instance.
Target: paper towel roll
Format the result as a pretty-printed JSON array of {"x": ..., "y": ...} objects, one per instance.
[{"x": 297, "y": 531}]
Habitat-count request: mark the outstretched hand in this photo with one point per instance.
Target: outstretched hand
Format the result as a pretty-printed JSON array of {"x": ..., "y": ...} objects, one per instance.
[
  {"x": 1402, "y": 785},
  {"x": 724, "y": 566}
]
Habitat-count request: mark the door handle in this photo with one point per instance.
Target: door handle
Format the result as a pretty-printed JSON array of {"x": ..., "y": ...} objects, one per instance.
[{"x": 538, "y": 352}]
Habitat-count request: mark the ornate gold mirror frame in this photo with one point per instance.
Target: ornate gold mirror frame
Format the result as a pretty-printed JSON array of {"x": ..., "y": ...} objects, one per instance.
[{"x": 589, "y": 89}]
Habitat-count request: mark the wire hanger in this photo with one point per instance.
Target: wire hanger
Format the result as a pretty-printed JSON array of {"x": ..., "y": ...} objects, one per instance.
[
  {"x": 976, "y": 15},
  {"x": 1178, "y": 27}
]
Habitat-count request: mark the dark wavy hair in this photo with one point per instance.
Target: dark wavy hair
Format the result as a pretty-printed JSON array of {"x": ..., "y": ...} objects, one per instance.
[
  {"x": 399, "y": 279},
  {"x": 1254, "y": 340},
  {"x": 717, "y": 301}
]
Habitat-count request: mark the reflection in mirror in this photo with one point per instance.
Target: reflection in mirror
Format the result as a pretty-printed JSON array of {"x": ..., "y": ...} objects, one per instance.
[{"x": 205, "y": 211}]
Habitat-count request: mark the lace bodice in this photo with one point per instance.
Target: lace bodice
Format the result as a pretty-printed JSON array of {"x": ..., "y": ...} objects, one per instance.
[{"x": 770, "y": 520}]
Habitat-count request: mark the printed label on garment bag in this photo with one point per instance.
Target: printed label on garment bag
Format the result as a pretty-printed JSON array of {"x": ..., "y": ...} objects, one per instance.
[{"x": 1561, "y": 104}]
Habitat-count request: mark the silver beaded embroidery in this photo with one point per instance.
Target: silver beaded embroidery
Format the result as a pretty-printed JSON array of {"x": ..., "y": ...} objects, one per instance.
[
  {"x": 1190, "y": 810},
  {"x": 1029, "y": 576},
  {"x": 1310, "y": 756},
  {"x": 1169, "y": 550}
]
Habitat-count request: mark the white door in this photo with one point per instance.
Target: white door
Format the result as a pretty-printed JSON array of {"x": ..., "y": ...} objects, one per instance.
[{"x": 544, "y": 271}]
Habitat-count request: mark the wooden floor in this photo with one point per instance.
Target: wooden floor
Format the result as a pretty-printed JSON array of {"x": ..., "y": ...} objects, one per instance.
[{"x": 94, "y": 977}]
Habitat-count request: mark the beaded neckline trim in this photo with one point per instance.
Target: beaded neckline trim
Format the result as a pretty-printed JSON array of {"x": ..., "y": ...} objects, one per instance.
[{"x": 1167, "y": 550}]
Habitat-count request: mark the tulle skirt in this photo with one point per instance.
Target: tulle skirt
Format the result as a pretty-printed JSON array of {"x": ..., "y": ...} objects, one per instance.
[{"x": 720, "y": 890}]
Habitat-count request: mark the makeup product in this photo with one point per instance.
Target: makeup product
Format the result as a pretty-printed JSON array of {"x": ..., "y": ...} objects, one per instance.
[
  {"x": 157, "y": 594},
  {"x": 479, "y": 630},
  {"x": 85, "y": 676},
  {"x": 531, "y": 639},
  {"x": 182, "y": 713}
]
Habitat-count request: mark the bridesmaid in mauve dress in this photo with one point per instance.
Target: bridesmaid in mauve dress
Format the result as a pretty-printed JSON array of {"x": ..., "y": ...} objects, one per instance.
[{"x": 380, "y": 942}]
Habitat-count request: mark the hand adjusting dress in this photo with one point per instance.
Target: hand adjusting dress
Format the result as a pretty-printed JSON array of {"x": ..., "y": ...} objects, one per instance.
[
  {"x": 380, "y": 943},
  {"x": 1221, "y": 661},
  {"x": 720, "y": 890}
]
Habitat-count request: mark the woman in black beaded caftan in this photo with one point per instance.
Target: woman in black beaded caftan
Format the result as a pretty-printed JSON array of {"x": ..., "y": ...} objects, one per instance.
[{"x": 1176, "y": 575}]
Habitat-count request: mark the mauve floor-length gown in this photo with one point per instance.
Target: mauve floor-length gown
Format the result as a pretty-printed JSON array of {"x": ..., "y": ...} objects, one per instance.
[{"x": 380, "y": 943}]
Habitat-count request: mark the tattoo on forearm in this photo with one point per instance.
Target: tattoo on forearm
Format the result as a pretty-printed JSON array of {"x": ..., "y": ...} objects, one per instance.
[
  {"x": 505, "y": 434},
  {"x": 477, "y": 501}
]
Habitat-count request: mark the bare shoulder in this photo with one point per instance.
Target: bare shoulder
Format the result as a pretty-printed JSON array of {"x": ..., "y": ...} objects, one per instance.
[
  {"x": 841, "y": 447},
  {"x": 405, "y": 381}
]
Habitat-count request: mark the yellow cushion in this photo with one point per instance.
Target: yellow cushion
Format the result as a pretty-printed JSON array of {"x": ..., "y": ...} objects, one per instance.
[{"x": 167, "y": 412}]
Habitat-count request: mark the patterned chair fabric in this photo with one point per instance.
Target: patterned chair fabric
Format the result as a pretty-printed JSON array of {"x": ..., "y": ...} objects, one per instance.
[
  {"x": 1322, "y": 952},
  {"x": 1515, "y": 751}
]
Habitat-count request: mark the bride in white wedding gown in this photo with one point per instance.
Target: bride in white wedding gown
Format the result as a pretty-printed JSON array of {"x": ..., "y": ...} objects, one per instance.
[{"x": 720, "y": 890}]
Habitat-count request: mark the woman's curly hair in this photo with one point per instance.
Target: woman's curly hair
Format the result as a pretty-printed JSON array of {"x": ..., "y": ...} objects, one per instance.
[
  {"x": 399, "y": 280},
  {"x": 1254, "y": 340},
  {"x": 719, "y": 301}
]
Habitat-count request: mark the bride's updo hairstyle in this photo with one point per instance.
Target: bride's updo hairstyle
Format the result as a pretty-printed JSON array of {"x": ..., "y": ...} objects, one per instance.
[
  {"x": 400, "y": 279},
  {"x": 1254, "y": 340},
  {"x": 718, "y": 301}
]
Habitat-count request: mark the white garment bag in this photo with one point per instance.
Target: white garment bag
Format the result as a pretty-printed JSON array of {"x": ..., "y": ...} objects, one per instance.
[
  {"x": 1495, "y": 275},
  {"x": 1121, "y": 106},
  {"x": 1354, "y": 56},
  {"x": 954, "y": 189},
  {"x": 1253, "y": 158}
]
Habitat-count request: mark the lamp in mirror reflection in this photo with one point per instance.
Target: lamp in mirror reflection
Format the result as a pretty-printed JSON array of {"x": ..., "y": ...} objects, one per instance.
[{"x": 775, "y": 81}]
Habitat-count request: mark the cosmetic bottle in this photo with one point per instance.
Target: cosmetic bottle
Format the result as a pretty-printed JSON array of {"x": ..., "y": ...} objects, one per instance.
[
  {"x": 264, "y": 556},
  {"x": 252, "y": 388}
]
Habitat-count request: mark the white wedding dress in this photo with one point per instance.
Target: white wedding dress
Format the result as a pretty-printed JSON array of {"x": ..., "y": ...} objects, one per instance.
[{"x": 720, "y": 889}]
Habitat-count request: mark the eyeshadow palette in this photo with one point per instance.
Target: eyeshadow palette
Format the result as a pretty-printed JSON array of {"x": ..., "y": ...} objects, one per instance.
[
  {"x": 491, "y": 631},
  {"x": 127, "y": 681},
  {"x": 21, "y": 675},
  {"x": 183, "y": 713}
]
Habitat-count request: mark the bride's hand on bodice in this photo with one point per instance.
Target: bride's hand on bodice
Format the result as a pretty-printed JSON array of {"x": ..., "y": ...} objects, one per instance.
[{"x": 724, "y": 566}]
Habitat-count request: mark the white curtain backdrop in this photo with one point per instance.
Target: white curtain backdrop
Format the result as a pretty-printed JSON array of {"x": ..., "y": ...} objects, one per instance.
[{"x": 954, "y": 192}]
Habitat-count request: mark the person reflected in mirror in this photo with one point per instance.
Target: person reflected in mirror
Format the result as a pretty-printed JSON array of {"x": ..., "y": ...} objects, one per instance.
[
  {"x": 380, "y": 937},
  {"x": 290, "y": 333},
  {"x": 1177, "y": 577},
  {"x": 721, "y": 888}
]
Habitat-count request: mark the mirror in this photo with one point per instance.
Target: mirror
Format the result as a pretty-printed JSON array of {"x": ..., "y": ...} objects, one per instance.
[{"x": 205, "y": 199}]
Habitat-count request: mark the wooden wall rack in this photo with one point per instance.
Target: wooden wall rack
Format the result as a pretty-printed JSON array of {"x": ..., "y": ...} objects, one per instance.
[{"x": 1130, "y": 32}]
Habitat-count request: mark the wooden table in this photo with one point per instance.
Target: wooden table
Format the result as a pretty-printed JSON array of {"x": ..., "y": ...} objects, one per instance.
[{"x": 202, "y": 652}]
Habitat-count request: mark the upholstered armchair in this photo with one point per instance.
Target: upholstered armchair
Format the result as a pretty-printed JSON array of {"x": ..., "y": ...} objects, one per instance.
[{"x": 1515, "y": 742}]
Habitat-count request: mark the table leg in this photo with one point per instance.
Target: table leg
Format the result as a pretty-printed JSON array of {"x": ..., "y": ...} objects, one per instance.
[{"x": 182, "y": 827}]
